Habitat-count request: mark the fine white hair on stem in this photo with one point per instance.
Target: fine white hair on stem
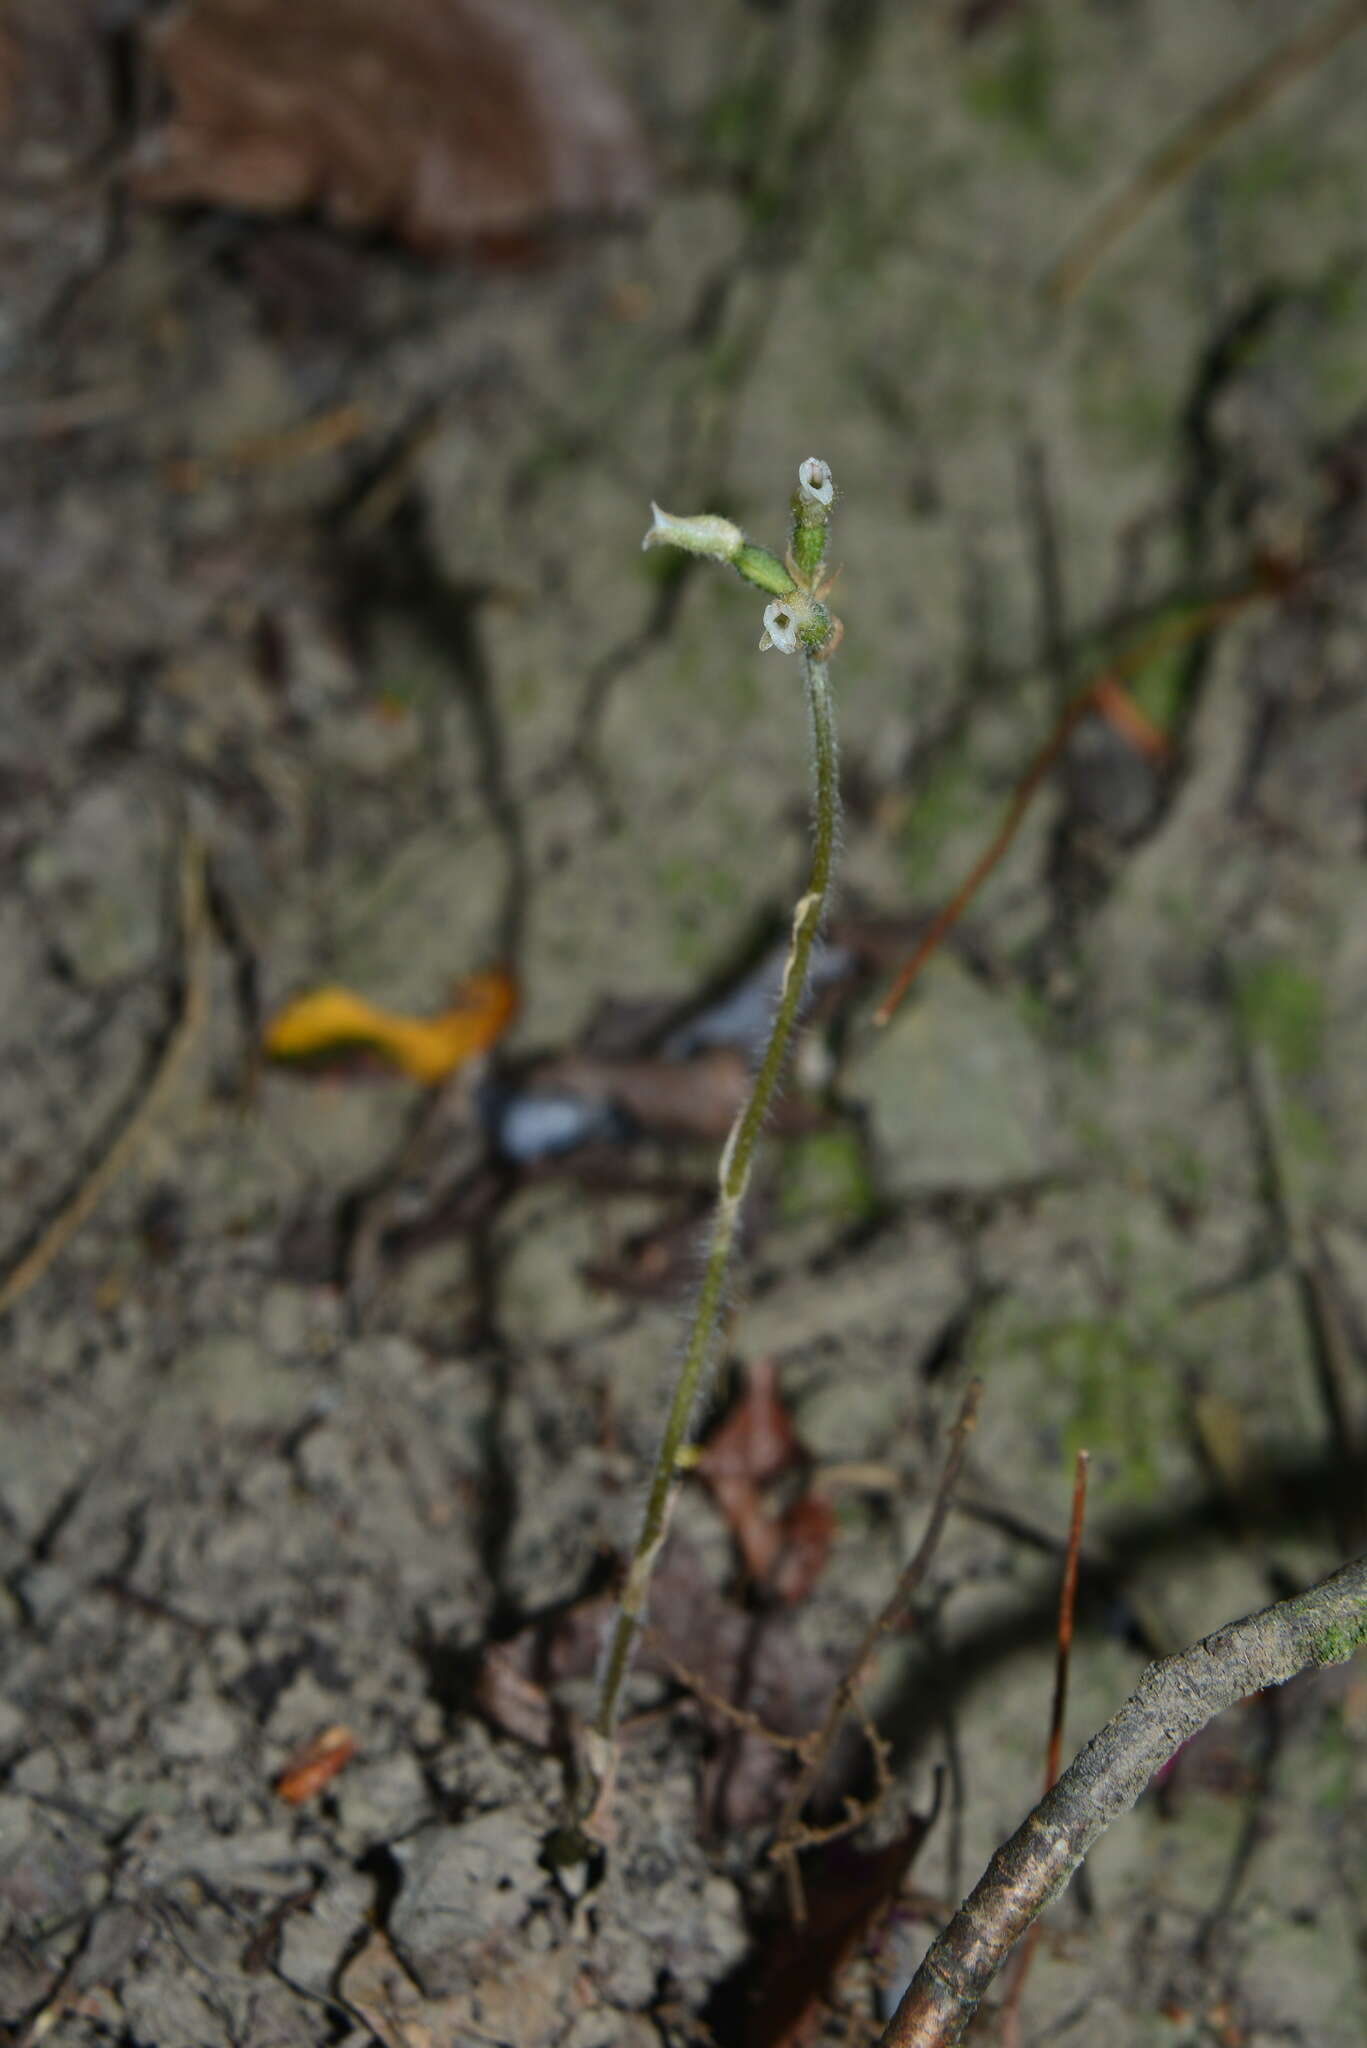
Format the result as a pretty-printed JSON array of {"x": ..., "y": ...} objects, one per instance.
[
  {"x": 704, "y": 1381},
  {"x": 815, "y": 740}
]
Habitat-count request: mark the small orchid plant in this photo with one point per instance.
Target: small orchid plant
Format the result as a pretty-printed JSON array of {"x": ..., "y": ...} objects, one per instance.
[{"x": 797, "y": 621}]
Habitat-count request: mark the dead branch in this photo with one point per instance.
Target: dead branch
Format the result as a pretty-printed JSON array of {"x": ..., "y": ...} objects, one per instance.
[
  {"x": 1197, "y": 138},
  {"x": 1326, "y": 1340},
  {"x": 95, "y": 1185},
  {"x": 1103, "y": 686},
  {"x": 740, "y": 1718},
  {"x": 1067, "y": 1603},
  {"x": 1173, "y": 1701},
  {"x": 791, "y": 1835}
]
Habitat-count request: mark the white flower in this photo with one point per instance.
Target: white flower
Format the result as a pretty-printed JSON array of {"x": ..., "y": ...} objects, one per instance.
[
  {"x": 815, "y": 481},
  {"x": 781, "y": 621}
]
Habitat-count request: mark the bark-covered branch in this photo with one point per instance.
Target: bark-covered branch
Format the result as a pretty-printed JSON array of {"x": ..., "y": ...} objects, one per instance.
[{"x": 1174, "y": 1699}]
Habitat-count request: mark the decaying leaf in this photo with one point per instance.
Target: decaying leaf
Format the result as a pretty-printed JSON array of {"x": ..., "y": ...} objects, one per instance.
[
  {"x": 315, "y": 1765},
  {"x": 446, "y": 121},
  {"x": 757, "y": 1440},
  {"x": 794, "y": 1973},
  {"x": 519, "y": 1998},
  {"x": 333, "y": 1020},
  {"x": 785, "y": 1552},
  {"x": 1117, "y": 706},
  {"x": 698, "y": 1638},
  {"x": 806, "y": 1531},
  {"x": 512, "y": 1701}
]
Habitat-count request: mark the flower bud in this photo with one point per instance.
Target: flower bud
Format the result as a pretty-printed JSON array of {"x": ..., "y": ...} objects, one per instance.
[
  {"x": 706, "y": 534},
  {"x": 812, "y": 501}
]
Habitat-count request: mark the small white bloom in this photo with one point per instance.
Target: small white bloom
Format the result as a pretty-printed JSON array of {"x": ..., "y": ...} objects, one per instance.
[
  {"x": 705, "y": 534},
  {"x": 815, "y": 481},
  {"x": 781, "y": 622}
]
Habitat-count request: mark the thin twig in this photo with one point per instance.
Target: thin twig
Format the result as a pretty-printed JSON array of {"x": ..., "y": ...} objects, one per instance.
[
  {"x": 1324, "y": 1334},
  {"x": 194, "y": 939},
  {"x": 693, "y": 1682},
  {"x": 1172, "y": 1702},
  {"x": 1173, "y": 633},
  {"x": 386, "y": 491},
  {"x": 287, "y": 448},
  {"x": 45, "y": 419},
  {"x": 844, "y": 1701},
  {"x": 1067, "y": 1602},
  {"x": 1196, "y": 139}
]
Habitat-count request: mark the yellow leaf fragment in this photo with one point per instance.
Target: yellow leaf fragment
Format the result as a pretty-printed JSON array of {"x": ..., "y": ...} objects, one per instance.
[{"x": 333, "y": 1020}]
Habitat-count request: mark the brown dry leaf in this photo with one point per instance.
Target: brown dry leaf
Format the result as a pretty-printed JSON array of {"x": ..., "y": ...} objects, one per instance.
[
  {"x": 805, "y": 1535},
  {"x": 522, "y": 1999},
  {"x": 384, "y": 1994},
  {"x": 1115, "y": 704},
  {"x": 512, "y": 1701},
  {"x": 795, "y": 1972},
  {"x": 333, "y": 1020},
  {"x": 755, "y": 1443},
  {"x": 315, "y": 1765},
  {"x": 785, "y": 1553},
  {"x": 697, "y": 1637},
  {"x": 447, "y": 121},
  {"x": 757, "y": 1440}
]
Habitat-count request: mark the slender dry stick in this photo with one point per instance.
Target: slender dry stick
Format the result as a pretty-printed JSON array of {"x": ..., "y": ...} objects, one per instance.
[
  {"x": 1172, "y": 1702},
  {"x": 1196, "y": 139},
  {"x": 194, "y": 1006},
  {"x": 790, "y": 1835},
  {"x": 1067, "y": 1602},
  {"x": 740, "y": 1718},
  {"x": 1173, "y": 633},
  {"x": 1324, "y": 1333},
  {"x": 42, "y": 419},
  {"x": 798, "y": 622}
]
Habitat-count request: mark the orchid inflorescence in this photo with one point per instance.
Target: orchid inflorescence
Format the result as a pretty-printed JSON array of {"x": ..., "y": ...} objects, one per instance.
[{"x": 797, "y": 615}]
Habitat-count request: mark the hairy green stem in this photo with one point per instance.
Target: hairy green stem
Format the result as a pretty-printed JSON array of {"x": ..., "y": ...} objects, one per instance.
[{"x": 733, "y": 1176}]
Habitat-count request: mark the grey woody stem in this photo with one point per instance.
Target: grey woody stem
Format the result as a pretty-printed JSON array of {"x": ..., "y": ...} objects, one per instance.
[{"x": 1174, "y": 1699}]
